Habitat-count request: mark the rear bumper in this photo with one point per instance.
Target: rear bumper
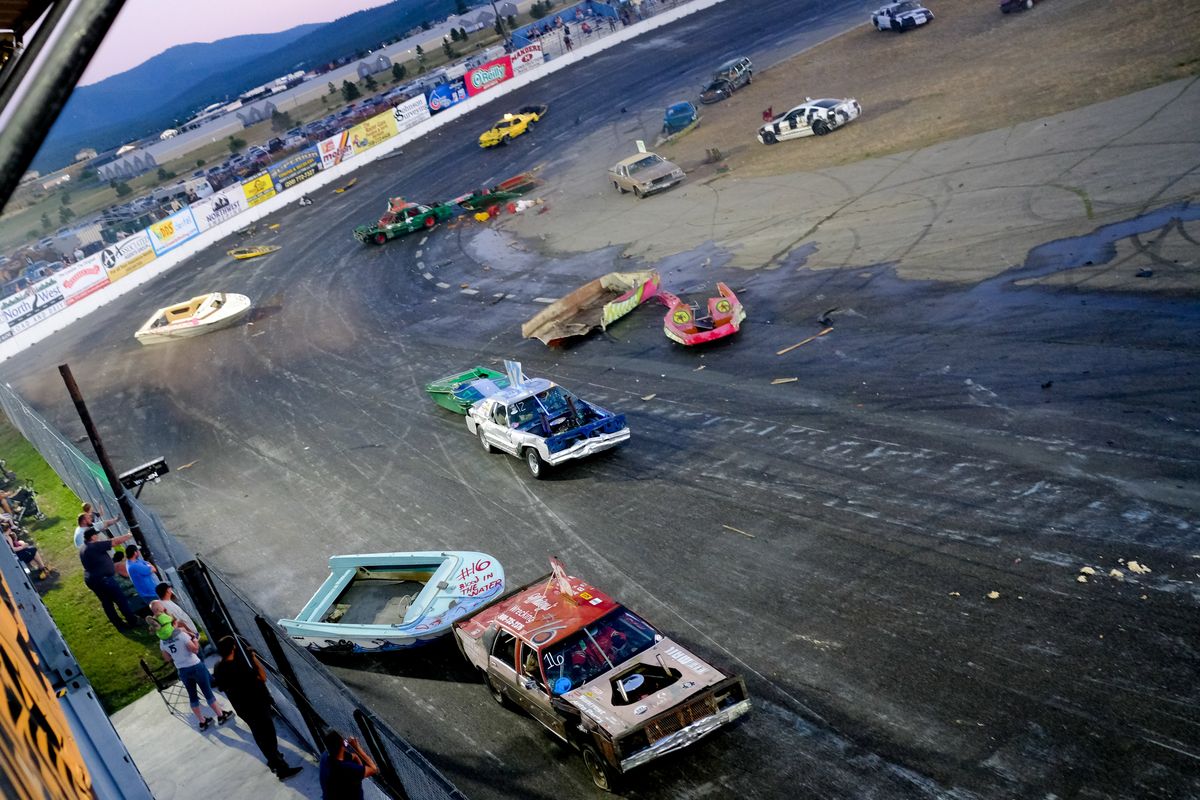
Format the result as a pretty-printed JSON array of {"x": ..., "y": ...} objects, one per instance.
[{"x": 686, "y": 736}]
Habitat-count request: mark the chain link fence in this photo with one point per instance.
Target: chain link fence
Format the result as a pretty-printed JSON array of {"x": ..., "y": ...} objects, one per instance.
[{"x": 307, "y": 696}]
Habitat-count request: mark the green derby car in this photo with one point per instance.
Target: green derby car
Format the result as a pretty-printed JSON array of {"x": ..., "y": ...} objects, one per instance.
[{"x": 403, "y": 218}]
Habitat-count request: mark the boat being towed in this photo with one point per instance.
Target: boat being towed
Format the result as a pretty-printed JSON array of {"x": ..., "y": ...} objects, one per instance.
[
  {"x": 376, "y": 602},
  {"x": 207, "y": 312},
  {"x": 462, "y": 390}
]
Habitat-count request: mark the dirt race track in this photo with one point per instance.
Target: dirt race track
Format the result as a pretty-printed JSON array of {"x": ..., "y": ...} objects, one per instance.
[{"x": 971, "y": 70}]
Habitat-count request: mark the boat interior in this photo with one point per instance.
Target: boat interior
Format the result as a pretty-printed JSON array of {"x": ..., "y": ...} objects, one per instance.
[
  {"x": 198, "y": 307},
  {"x": 380, "y": 595}
]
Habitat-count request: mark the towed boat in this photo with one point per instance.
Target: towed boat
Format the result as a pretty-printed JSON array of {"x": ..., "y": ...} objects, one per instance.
[
  {"x": 462, "y": 390},
  {"x": 596, "y": 304},
  {"x": 202, "y": 314},
  {"x": 506, "y": 190},
  {"x": 244, "y": 253},
  {"x": 725, "y": 316},
  {"x": 376, "y": 602}
]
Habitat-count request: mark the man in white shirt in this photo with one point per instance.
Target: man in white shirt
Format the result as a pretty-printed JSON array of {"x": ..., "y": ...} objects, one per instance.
[{"x": 87, "y": 521}]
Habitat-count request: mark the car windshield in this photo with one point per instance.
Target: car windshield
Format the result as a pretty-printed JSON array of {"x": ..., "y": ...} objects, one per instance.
[
  {"x": 527, "y": 413},
  {"x": 644, "y": 163},
  {"x": 826, "y": 103},
  {"x": 598, "y": 648}
]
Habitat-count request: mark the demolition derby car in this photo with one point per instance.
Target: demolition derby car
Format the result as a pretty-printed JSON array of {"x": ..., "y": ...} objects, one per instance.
[
  {"x": 596, "y": 674},
  {"x": 901, "y": 17},
  {"x": 540, "y": 422},
  {"x": 402, "y": 218},
  {"x": 510, "y": 126},
  {"x": 729, "y": 77},
  {"x": 644, "y": 174},
  {"x": 812, "y": 117}
]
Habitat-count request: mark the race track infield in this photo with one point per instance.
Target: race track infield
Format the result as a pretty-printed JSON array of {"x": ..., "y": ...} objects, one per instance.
[{"x": 887, "y": 548}]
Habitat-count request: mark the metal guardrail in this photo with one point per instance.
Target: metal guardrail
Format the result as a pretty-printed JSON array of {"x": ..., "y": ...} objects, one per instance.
[{"x": 307, "y": 696}]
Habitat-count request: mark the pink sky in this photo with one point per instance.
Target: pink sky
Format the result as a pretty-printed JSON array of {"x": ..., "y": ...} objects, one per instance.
[{"x": 145, "y": 28}]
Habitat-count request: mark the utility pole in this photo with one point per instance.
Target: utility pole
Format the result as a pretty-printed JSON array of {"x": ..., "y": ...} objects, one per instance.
[{"x": 102, "y": 456}]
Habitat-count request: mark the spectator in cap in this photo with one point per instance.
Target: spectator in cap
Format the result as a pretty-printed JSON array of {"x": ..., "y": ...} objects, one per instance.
[{"x": 99, "y": 575}]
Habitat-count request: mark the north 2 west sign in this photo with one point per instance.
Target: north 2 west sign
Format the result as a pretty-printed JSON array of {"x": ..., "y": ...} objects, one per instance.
[{"x": 33, "y": 305}]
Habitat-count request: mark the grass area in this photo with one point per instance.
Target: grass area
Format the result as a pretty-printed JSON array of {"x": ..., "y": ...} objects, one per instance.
[{"x": 107, "y": 657}]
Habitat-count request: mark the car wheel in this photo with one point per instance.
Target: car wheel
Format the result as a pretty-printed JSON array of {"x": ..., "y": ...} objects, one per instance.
[
  {"x": 494, "y": 690},
  {"x": 504, "y": 141},
  {"x": 749, "y": 78},
  {"x": 380, "y": 238},
  {"x": 820, "y": 127},
  {"x": 637, "y": 193},
  {"x": 430, "y": 221},
  {"x": 769, "y": 137},
  {"x": 537, "y": 467},
  {"x": 601, "y": 772},
  {"x": 617, "y": 186},
  {"x": 483, "y": 442}
]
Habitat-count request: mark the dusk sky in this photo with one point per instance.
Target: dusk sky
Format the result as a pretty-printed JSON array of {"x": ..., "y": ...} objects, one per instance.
[{"x": 145, "y": 28}]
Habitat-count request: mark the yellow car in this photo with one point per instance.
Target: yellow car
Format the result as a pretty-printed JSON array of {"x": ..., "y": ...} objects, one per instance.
[{"x": 511, "y": 126}]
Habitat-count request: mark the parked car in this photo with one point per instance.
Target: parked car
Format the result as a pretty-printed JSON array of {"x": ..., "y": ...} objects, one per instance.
[
  {"x": 901, "y": 17},
  {"x": 275, "y": 145},
  {"x": 596, "y": 675},
  {"x": 1007, "y": 6},
  {"x": 813, "y": 117},
  {"x": 678, "y": 117},
  {"x": 728, "y": 78},
  {"x": 644, "y": 174}
]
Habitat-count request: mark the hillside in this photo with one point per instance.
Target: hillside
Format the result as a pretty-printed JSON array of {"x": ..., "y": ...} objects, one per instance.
[{"x": 132, "y": 105}]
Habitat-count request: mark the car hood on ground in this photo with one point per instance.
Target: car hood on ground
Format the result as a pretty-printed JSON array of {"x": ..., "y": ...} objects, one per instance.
[{"x": 602, "y": 702}]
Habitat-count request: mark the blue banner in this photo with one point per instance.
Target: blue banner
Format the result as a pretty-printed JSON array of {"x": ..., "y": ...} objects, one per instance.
[
  {"x": 445, "y": 95},
  {"x": 299, "y": 166}
]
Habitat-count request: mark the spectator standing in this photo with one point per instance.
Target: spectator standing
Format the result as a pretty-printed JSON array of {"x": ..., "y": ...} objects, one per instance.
[
  {"x": 344, "y": 767},
  {"x": 567, "y": 42},
  {"x": 240, "y": 675},
  {"x": 142, "y": 574},
  {"x": 182, "y": 646},
  {"x": 167, "y": 595},
  {"x": 99, "y": 575},
  {"x": 87, "y": 520}
]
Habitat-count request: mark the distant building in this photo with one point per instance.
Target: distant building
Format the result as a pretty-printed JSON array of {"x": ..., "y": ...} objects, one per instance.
[
  {"x": 30, "y": 176},
  {"x": 86, "y": 154},
  {"x": 373, "y": 66},
  {"x": 169, "y": 133},
  {"x": 58, "y": 180},
  {"x": 127, "y": 148}
]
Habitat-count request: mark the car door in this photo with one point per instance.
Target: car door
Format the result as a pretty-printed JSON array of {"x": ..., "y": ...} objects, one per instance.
[
  {"x": 502, "y": 664},
  {"x": 792, "y": 124},
  {"x": 497, "y": 430},
  {"x": 532, "y": 693}
]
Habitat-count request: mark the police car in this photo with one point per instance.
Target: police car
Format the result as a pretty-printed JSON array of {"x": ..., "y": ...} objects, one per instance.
[
  {"x": 901, "y": 17},
  {"x": 811, "y": 118}
]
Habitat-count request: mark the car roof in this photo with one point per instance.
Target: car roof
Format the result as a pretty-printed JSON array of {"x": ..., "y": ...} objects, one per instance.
[
  {"x": 625, "y": 162},
  {"x": 731, "y": 63},
  {"x": 542, "y": 615}
]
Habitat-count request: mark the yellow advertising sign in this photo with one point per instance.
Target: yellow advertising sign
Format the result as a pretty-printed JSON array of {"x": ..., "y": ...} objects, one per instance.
[
  {"x": 258, "y": 189},
  {"x": 373, "y": 131},
  {"x": 125, "y": 267},
  {"x": 39, "y": 755}
]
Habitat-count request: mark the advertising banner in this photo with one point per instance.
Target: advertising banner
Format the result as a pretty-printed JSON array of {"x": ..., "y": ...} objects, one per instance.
[
  {"x": 335, "y": 149},
  {"x": 371, "y": 132},
  {"x": 225, "y": 204},
  {"x": 526, "y": 58},
  {"x": 32, "y": 305},
  {"x": 487, "y": 75},
  {"x": 122, "y": 258},
  {"x": 82, "y": 278},
  {"x": 258, "y": 189},
  {"x": 410, "y": 112},
  {"x": 445, "y": 95},
  {"x": 5, "y": 332},
  {"x": 299, "y": 166},
  {"x": 169, "y": 233}
]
